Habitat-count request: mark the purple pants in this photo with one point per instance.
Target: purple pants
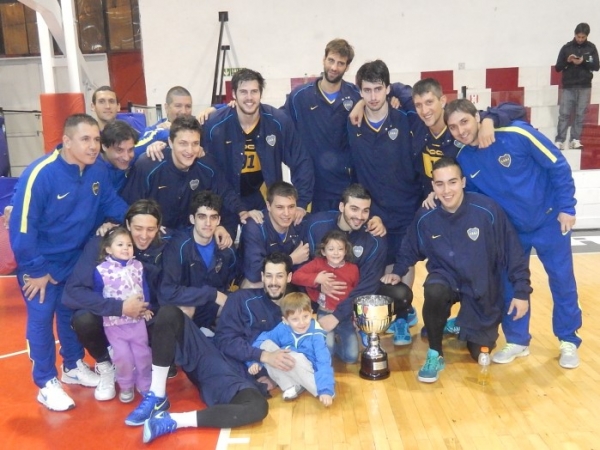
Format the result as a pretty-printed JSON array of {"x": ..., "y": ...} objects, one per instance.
[{"x": 131, "y": 354}]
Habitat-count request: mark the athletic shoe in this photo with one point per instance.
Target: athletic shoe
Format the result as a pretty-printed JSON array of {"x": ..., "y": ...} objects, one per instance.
[
  {"x": 412, "y": 318},
  {"x": 364, "y": 338},
  {"x": 81, "y": 374},
  {"x": 157, "y": 426},
  {"x": 172, "y": 371},
  {"x": 509, "y": 353},
  {"x": 126, "y": 395},
  {"x": 106, "y": 386},
  {"x": 402, "y": 333},
  {"x": 569, "y": 359},
  {"x": 292, "y": 393},
  {"x": 449, "y": 328},
  {"x": 53, "y": 397},
  {"x": 560, "y": 145},
  {"x": 575, "y": 144},
  {"x": 433, "y": 365},
  {"x": 391, "y": 329},
  {"x": 149, "y": 406}
]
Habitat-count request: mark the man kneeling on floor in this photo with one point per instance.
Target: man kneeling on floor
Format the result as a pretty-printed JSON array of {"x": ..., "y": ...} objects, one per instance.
[{"x": 469, "y": 245}]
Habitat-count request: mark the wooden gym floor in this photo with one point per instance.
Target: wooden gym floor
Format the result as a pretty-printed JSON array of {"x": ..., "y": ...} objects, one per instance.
[{"x": 530, "y": 404}]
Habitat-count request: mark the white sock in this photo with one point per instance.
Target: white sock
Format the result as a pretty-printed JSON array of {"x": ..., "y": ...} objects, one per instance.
[
  {"x": 159, "y": 380},
  {"x": 186, "y": 419}
]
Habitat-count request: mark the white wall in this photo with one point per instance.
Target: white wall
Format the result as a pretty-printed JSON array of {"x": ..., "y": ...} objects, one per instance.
[{"x": 283, "y": 39}]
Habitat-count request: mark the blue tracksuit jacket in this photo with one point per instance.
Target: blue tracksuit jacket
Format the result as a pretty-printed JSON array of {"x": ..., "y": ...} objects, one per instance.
[
  {"x": 312, "y": 345},
  {"x": 259, "y": 240},
  {"x": 277, "y": 142},
  {"x": 50, "y": 223},
  {"x": 369, "y": 253},
  {"x": 322, "y": 127},
  {"x": 525, "y": 173},
  {"x": 246, "y": 314},
  {"x": 151, "y": 135},
  {"x": 173, "y": 189},
  {"x": 186, "y": 281},
  {"x": 469, "y": 250}
]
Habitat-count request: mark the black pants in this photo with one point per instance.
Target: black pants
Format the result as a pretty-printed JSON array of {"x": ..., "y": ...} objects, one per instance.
[
  {"x": 402, "y": 296},
  {"x": 439, "y": 299}
]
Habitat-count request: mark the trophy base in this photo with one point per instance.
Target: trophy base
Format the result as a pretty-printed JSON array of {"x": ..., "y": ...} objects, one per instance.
[{"x": 374, "y": 368}]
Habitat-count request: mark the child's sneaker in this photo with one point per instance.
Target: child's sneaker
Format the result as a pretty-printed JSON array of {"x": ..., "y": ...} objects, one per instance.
[
  {"x": 157, "y": 426},
  {"x": 53, "y": 397},
  {"x": 106, "y": 386},
  {"x": 126, "y": 395},
  {"x": 433, "y": 365},
  {"x": 292, "y": 393},
  {"x": 81, "y": 374},
  {"x": 149, "y": 406}
]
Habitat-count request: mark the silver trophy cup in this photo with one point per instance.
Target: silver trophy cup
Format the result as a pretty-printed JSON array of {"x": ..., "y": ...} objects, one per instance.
[{"x": 374, "y": 314}]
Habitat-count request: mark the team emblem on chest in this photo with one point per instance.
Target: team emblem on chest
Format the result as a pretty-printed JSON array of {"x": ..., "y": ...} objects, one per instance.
[
  {"x": 96, "y": 187},
  {"x": 393, "y": 134},
  {"x": 473, "y": 233},
  {"x": 505, "y": 160},
  {"x": 348, "y": 104},
  {"x": 218, "y": 265},
  {"x": 358, "y": 250},
  {"x": 194, "y": 184},
  {"x": 271, "y": 140}
]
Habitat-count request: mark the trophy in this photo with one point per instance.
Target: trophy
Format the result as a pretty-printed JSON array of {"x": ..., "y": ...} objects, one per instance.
[{"x": 374, "y": 314}]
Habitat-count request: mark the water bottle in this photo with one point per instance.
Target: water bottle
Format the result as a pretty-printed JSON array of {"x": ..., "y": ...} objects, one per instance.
[{"x": 484, "y": 366}]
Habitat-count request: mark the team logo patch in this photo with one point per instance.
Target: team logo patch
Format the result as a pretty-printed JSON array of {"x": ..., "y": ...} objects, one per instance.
[
  {"x": 271, "y": 140},
  {"x": 473, "y": 233},
  {"x": 458, "y": 144},
  {"x": 505, "y": 160},
  {"x": 194, "y": 184},
  {"x": 96, "y": 187},
  {"x": 219, "y": 265},
  {"x": 358, "y": 250},
  {"x": 393, "y": 134},
  {"x": 348, "y": 104}
]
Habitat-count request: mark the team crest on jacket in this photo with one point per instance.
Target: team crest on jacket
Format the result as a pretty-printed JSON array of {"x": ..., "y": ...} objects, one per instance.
[
  {"x": 473, "y": 233},
  {"x": 218, "y": 265},
  {"x": 194, "y": 184},
  {"x": 348, "y": 104},
  {"x": 505, "y": 160},
  {"x": 358, "y": 250},
  {"x": 96, "y": 187},
  {"x": 393, "y": 134},
  {"x": 271, "y": 140}
]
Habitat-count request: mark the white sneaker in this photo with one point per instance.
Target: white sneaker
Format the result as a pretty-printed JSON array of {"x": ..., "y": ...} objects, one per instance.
[
  {"x": 560, "y": 145},
  {"x": 82, "y": 374},
  {"x": 126, "y": 395},
  {"x": 53, "y": 397},
  {"x": 106, "y": 386},
  {"x": 576, "y": 144},
  {"x": 509, "y": 353},
  {"x": 292, "y": 393},
  {"x": 569, "y": 359}
]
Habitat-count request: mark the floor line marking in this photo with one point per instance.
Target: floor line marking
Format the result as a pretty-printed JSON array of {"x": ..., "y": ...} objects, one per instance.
[{"x": 8, "y": 355}]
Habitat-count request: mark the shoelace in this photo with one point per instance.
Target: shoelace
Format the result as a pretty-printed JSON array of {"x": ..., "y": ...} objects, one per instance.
[{"x": 567, "y": 348}]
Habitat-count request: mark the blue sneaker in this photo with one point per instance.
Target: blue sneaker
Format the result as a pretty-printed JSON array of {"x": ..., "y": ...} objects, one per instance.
[
  {"x": 149, "y": 406},
  {"x": 433, "y": 365},
  {"x": 401, "y": 333},
  {"x": 449, "y": 328},
  {"x": 412, "y": 318},
  {"x": 392, "y": 328},
  {"x": 364, "y": 338},
  {"x": 158, "y": 425}
]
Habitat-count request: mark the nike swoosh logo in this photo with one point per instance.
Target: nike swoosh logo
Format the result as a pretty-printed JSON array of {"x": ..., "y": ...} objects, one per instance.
[
  {"x": 435, "y": 236},
  {"x": 160, "y": 406},
  {"x": 473, "y": 175},
  {"x": 312, "y": 108},
  {"x": 358, "y": 134},
  {"x": 228, "y": 142},
  {"x": 162, "y": 187},
  {"x": 60, "y": 197}
]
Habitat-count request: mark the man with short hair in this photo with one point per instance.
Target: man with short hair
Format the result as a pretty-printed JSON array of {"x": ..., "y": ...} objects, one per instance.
[
  {"x": 530, "y": 178},
  {"x": 577, "y": 60},
  {"x": 320, "y": 109},
  {"x": 118, "y": 141},
  {"x": 468, "y": 243},
  {"x": 105, "y": 105},
  {"x": 277, "y": 233},
  {"x": 196, "y": 273},
  {"x": 370, "y": 254},
  {"x": 252, "y": 140},
  {"x": 49, "y": 226},
  {"x": 173, "y": 181}
]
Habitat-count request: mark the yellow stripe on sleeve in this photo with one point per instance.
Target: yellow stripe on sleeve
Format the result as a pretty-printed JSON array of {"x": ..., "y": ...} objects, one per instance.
[
  {"x": 533, "y": 139},
  {"x": 27, "y": 198}
]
